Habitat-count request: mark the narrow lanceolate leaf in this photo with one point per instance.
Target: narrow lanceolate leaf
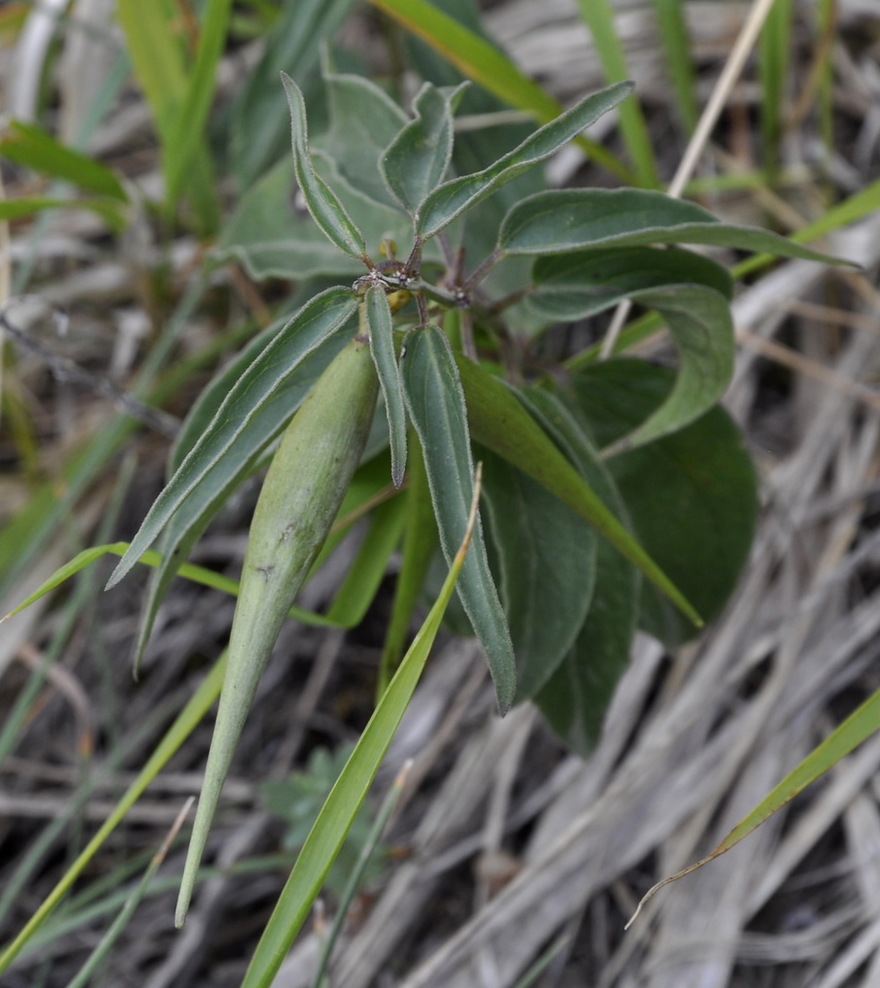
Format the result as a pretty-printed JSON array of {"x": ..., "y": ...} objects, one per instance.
[
  {"x": 499, "y": 421},
  {"x": 580, "y": 284},
  {"x": 378, "y": 314},
  {"x": 547, "y": 563},
  {"x": 304, "y": 487},
  {"x": 326, "y": 209},
  {"x": 347, "y": 796},
  {"x": 249, "y": 415},
  {"x": 858, "y": 727},
  {"x": 437, "y": 409},
  {"x": 416, "y": 160},
  {"x": 700, "y": 322},
  {"x": 574, "y": 219},
  {"x": 453, "y": 197}
]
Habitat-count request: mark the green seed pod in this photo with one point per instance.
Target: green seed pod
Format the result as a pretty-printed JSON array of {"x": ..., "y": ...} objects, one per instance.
[{"x": 301, "y": 494}]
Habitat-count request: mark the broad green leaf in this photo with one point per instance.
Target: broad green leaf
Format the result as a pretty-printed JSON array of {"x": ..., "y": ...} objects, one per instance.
[
  {"x": 363, "y": 122},
  {"x": 30, "y": 145},
  {"x": 378, "y": 314},
  {"x": 416, "y": 160},
  {"x": 250, "y": 413},
  {"x": 858, "y": 727},
  {"x": 437, "y": 409},
  {"x": 580, "y": 284},
  {"x": 547, "y": 563},
  {"x": 260, "y": 123},
  {"x": 273, "y": 237},
  {"x": 325, "y": 207},
  {"x": 692, "y": 495},
  {"x": 301, "y": 494},
  {"x": 499, "y": 421},
  {"x": 452, "y": 198},
  {"x": 478, "y": 59},
  {"x": 575, "y": 219},
  {"x": 701, "y": 325},
  {"x": 110, "y": 210},
  {"x": 348, "y": 794},
  {"x": 577, "y": 695}
]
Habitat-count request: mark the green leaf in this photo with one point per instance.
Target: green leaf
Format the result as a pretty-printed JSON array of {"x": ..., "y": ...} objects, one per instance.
[
  {"x": 599, "y": 18},
  {"x": 692, "y": 496},
  {"x": 437, "y": 409},
  {"x": 299, "y": 499},
  {"x": 250, "y": 414},
  {"x": 453, "y": 197},
  {"x": 361, "y": 583},
  {"x": 480, "y": 60},
  {"x": 499, "y": 421},
  {"x": 701, "y": 325},
  {"x": 326, "y": 209},
  {"x": 857, "y": 728},
  {"x": 363, "y": 122},
  {"x": 547, "y": 561},
  {"x": 419, "y": 543},
  {"x": 576, "y": 697},
  {"x": 184, "y": 724},
  {"x": 30, "y": 145},
  {"x": 378, "y": 315},
  {"x": 109, "y": 210},
  {"x": 272, "y": 237},
  {"x": 260, "y": 124},
  {"x": 574, "y": 219},
  {"x": 580, "y": 284},
  {"x": 348, "y": 794},
  {"x": 187, "y": 138},
  {"x": 416, "y": 160}
]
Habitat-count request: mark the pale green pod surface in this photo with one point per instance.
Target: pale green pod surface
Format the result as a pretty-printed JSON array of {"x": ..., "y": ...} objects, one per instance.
[{"x": 304, "y": 487}]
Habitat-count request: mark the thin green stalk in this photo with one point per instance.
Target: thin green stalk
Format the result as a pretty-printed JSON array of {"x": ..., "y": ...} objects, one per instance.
[
  {"x": 774, "y": 47},
  {"x": 679, "y": 64},
  {"x": 598, "y": 15}
]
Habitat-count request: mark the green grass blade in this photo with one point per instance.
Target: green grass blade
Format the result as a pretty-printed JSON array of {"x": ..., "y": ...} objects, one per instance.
[
  {"x": 858, "y": 727},
  {"x": 774, "y": 47},
  {"x": 187, "y": 137},
  {"x": 185, "y": 723},
  {"x": 599, "y": 18},
  {"x": 485, "y": 64},
  {"x": 30, "y": 145},
  {"x": 349, "y": 792},
  {"x": 679, "y": 63},
  {"x": 103, "y": 948}
]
